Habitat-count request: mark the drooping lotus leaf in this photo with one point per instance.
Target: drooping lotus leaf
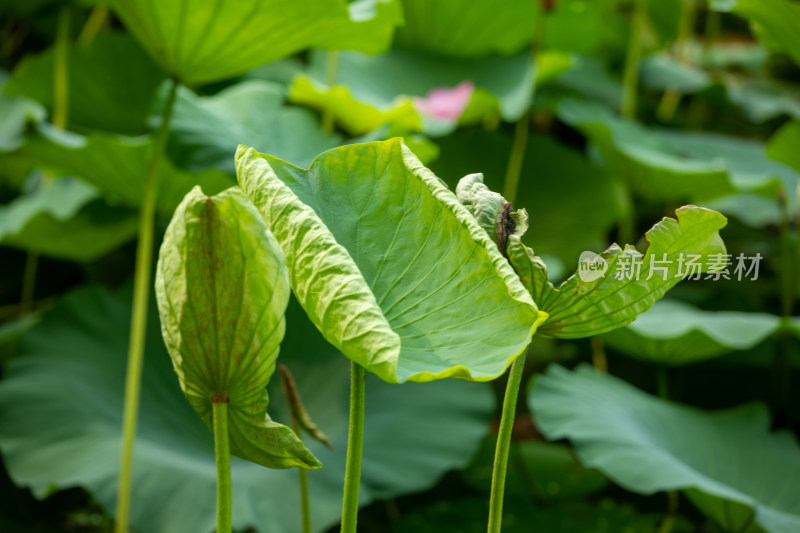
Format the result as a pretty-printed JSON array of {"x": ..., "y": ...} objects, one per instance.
[
  {"x": 111, "y": 83},
  {"x": 61, "y": 410},
  {"x": 205, "y": 131},
  {"x": 774, "y": 21},
  {"x": 674, "y": 333},
  {"x": 389, "y": 266},
  {"x": 662, "y": 164},
  {"x": 646, "y": 445},
  {"x": 374, "y": 90},
  {"x": 65, "y": 219},
  {"x": 609, "y": 289},
  {"x": 208, "y": 40},
  {"x": 222, "y": 291},
  {"x": 117, "y": 166}
]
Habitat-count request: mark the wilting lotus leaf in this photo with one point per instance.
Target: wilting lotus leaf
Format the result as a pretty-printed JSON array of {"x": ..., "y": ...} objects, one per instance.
[{"x": 389, "y": 266}]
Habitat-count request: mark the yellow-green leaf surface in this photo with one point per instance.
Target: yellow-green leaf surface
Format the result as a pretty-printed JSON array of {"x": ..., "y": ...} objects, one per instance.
[
  {"x": 580, "y": 308},
  {"x": 222, "y": 292},
  {"x": 201, "y": 41},
  {"x": 389, "y": 266}
]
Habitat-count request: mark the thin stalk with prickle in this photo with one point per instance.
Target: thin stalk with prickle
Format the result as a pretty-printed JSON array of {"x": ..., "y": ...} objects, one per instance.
[
  {"x": 504, "y": 444},
  {"x": 355, "y": 445},
  {"x": 141, "y": 296},
  {"x": 222, "y": 453}
]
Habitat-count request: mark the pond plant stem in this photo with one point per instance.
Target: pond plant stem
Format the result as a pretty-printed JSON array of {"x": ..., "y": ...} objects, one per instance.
[
  {"x": 504, "y": 444},
  {"x": 355, "y": 445},
  {"x": 331, "y": 74},
  {"x": 141, "y": 296},
  {"x": 672, "y": 97},
  {"x": 630, "y": 75},
  {"x": 222, "y": 452},
  {"x": 60, "y": 114}
]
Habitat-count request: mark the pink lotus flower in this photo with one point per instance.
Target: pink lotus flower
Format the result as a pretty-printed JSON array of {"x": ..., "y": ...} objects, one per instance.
[{"x": 444, "y": 103}]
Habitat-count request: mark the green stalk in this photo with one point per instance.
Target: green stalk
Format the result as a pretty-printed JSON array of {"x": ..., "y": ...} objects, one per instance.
[
  {"x": 331, "y": 73},
  {"x": 222, "y": 452},
  {"x": 504, "y": 444},
  {"x": 305, "y": 503},
  {"x": 673, "y": 498},
  {"x": 97, "y": 19},
  {"x": 788, "y": 283},
  {"x": 630, "y": 76},
  {"x": 599, "y": 359},
  {"x": 61, "y": 70},
  {"x": 60, "y": 114},
  {"x": 355, "y": 445},
  {"x": 522, "y": 128},
  {"x": 671, "y": 98},
  {"x": 516, "y": 158},
  {"x": 141, "y": 295}
]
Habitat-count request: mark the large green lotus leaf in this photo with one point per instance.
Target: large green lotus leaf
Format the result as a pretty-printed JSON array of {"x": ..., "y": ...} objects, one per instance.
[
  {"x": 573, "y": 203},
  {"x": 375, "y": 90},
  {"x": 61, "y": 413},
  {"x": 662, "y": 164},
  {"x": 590, "y": 78},
  {"x": 647, "y": 445},
  {"x": 598, "y": 28},
  {"x": 774, "y": 21},
  {"x": 476, "y": 29},
  {"x": 763, "y": 99},
  {"x": 484, "y": 27},
  {"x": 783, "y": 145},
  {"x": 111, "y": 83},
  {"x": 389, "y": 266},
  {"x": 662, "y": 71},
  {"x": 674, "y": 333},
  {"x": 611, "y": 296},
  {"x": 117, "y": 166},
  {"x": 208, "y": 40},
  {"x": 65, "y": 219},
  {"x": 222, "y": 291},
  {"x": 17, "y": 112},
  {"x": 205, "y": 131}
]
